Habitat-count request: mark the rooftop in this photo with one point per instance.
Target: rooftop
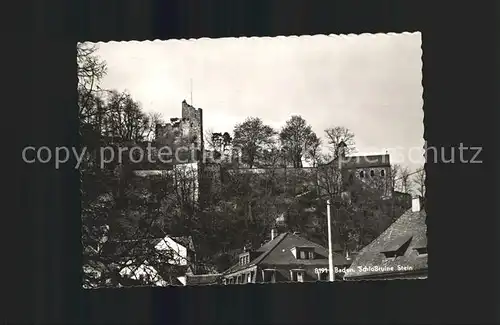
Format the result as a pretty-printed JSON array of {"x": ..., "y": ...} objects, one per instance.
[
  {"x": 278, "y": 252},
  {"x": 365, "y": 161},
  {"x": 397, "y": 246}
]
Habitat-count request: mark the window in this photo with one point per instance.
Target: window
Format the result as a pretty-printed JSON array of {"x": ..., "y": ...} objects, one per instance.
[
  {"x": 398, "y": 248},
  {"x": 362, "y": 174},
  {"x": 382, "y": 173},
  {"x": 269, "y": 276},
  {"x": 245, "y": 259},
  {"x": 372, "y": 173},
  {"x": 421, "y": 250},
  {"x": 297, "y": 275},
  {"x": 323, "y": 276},
  {"x": 391, "y": 254},
  {"x": 302, "y": 255}
]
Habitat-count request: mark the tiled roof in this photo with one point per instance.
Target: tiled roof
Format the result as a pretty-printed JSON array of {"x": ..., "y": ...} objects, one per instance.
[
  {"x": 365, "y": 161},
  {"x": 278, "y": 252},
  {"x": 422, "y": 243},
  {"x": 395, "y": 244},
  {"x": 410, "y": 226}
]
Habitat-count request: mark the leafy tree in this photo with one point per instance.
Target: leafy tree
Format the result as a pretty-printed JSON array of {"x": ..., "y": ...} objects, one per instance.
[
  {"x": 298, "y": 138},
  {"x": 253, "y": 137},
  {"x": 219, "y": 143},
  {"x": 313, "y": 152}
]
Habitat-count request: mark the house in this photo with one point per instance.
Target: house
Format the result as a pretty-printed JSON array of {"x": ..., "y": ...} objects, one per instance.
[
  {"x": 286, "y": 257},
  {"x": 160, "y": 261},
  {"x": 400, "y": 252}
]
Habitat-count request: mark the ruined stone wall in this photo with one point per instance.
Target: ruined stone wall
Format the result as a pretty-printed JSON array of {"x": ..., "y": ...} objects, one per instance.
[
  {"x": 185, "y": 132},
  {"x": 194, "y": 125},
  {"x": 212, "y": 174}
]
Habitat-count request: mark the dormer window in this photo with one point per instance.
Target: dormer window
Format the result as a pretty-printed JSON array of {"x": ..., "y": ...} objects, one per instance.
[
  {"x": 382, "y": 173},
  {"x": 397, "y": 248},
  {"x": 303, "y": 253},
  {"x": 421, "y": 250},
  {"x": 244, "y": 258},
  {"x": 372, "y": 173},
  {"x": 421, "y": 246}
]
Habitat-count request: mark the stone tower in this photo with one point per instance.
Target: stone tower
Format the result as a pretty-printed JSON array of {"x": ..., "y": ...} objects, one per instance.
[{"x": 185, "y": 132}]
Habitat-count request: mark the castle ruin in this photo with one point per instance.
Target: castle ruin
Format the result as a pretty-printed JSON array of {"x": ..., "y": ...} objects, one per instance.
[{"x": 185, "y": 132}]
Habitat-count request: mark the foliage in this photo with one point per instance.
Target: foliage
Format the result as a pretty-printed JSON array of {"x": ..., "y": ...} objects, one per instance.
[
  {"x": 298, "y": 140},
  {"x": 253, "y": 138},
  {"x": 337, "y": 134},
  {"x": 120, "y": 207}
]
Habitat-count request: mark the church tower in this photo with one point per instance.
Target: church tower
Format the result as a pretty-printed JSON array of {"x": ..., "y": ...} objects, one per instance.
[{"x": 341, "y": 149}]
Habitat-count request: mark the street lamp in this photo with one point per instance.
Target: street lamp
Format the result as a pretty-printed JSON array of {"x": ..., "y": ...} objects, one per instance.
[
  {"x": 330, "y": 248},
  {"x": 331, "y": 269}
]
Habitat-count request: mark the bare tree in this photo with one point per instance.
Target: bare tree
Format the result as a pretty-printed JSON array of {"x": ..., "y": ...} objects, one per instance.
[
  {"x": 121, "y": 227},
  {"x": 329, "y": 178},
  {"x": 125, "y": 119},
  {"x": 395, "y": 175},
  {"x": 153, "y": 118},
  {"x": 336, "y": 135},
  {"x": 359, "y": 211},
  {"x": 404, "y": 176},
  {"x": 90, "y": 70},
  {"x": 419, "y": 180}
]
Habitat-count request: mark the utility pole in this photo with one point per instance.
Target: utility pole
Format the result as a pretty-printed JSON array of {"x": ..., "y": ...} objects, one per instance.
[{"x": 330, "y": 248}]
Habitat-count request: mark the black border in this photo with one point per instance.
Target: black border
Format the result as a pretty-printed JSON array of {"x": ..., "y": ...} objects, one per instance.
[{"x": 459, "y": 92}]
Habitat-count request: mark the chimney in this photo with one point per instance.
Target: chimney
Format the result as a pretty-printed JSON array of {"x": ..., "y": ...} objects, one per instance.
[
  {"x": 416, "y": 204},
  {"x": 273, "y": 233}
]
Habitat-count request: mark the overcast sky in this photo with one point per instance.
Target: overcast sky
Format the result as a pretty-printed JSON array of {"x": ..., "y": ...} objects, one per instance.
[{"x": 371, "y": 84}]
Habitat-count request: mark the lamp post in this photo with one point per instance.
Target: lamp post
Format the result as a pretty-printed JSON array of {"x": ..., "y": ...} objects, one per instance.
[{"x": 331, "y": 270}]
